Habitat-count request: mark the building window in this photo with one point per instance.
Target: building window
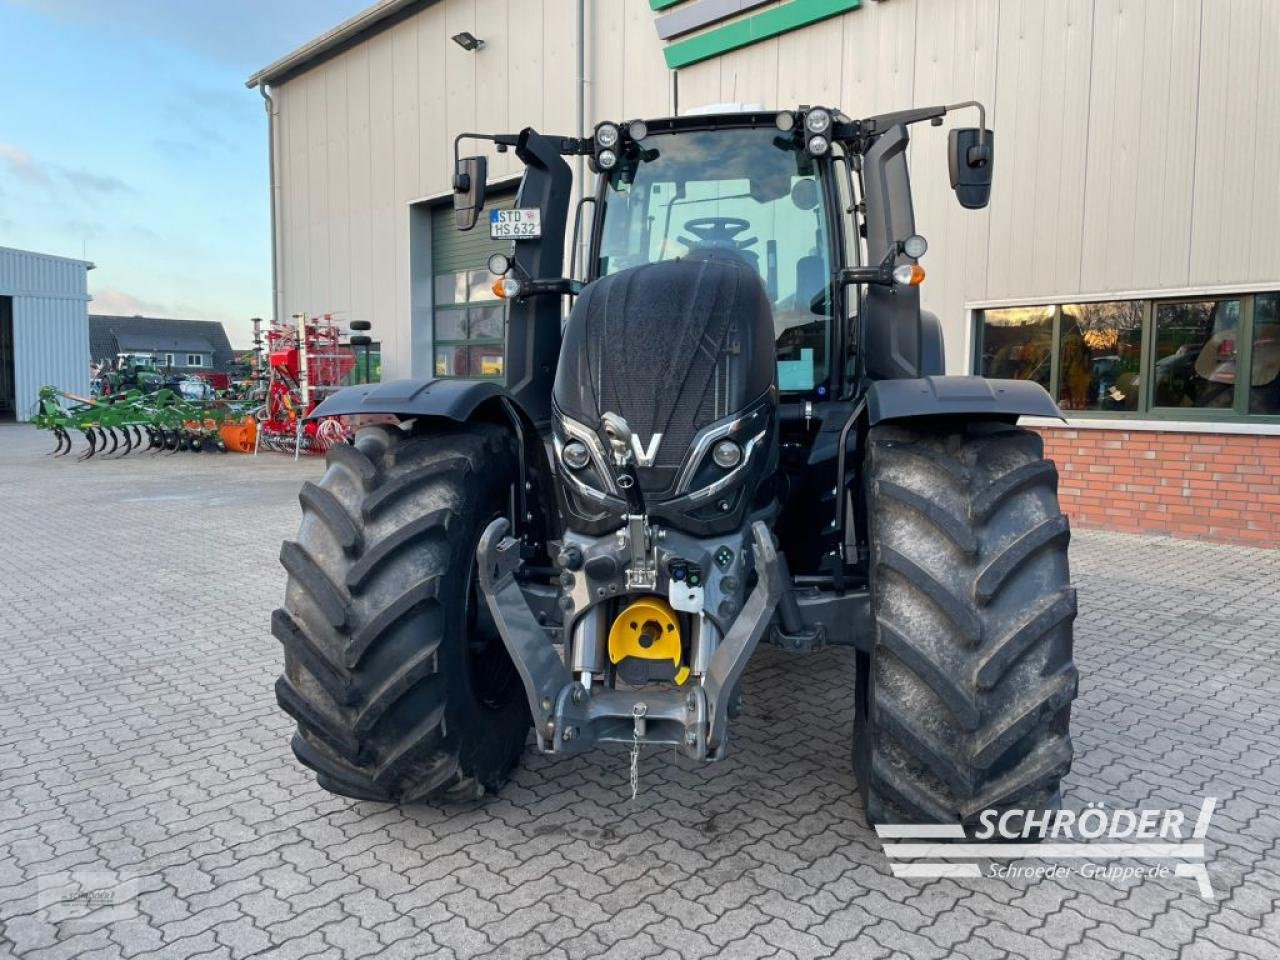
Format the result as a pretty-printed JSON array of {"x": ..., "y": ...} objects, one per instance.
[
  {"x": 1195, "y": 353},
  {"x": 195, "y": 359},
  {"x": 1264, "y": 373},
  {"x": 1174, "y": 358},
  {"x": 468, "y": 325},
  {"x": 1100, "y": 351},
  {"x": 1017, "y": 344}
]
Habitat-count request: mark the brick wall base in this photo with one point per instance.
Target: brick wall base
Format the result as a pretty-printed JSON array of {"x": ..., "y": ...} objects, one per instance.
[{"x": 1208, "y": 486}]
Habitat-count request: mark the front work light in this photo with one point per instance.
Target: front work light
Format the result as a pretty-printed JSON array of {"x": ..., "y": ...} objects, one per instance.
[
  {"x": 637, "y": 130},
  {"x": 785, "y": 121},
  {"x": 915, "y": 246},
  {"x": 819, "y": 145},
  {"x": 606, "y": 159}
]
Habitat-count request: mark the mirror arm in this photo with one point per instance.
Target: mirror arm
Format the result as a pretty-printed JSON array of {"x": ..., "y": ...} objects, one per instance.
[
  {"x": 982, "y": 117},
  {"x": 978, "y": 155},
  {"x": 502, "y": 140}
]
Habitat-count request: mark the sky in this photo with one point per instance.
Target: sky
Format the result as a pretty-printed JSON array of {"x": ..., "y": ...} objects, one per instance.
[{"x": 128, "y": 138}]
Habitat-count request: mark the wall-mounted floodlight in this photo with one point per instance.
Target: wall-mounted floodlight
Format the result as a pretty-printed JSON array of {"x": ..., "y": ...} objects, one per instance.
[{"x": 468, "y": 41}]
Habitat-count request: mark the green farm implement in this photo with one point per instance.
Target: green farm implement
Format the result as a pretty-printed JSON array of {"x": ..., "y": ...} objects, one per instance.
[{"x": 120, "y": 424}]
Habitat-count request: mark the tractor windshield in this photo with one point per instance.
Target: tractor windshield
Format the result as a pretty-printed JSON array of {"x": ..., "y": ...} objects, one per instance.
[{"x": 748, "y": 191}]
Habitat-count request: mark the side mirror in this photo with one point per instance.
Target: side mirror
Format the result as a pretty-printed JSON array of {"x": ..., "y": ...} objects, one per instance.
[
  {"x": 469, "y": 176},
  {"x": 971, "y": 164}
]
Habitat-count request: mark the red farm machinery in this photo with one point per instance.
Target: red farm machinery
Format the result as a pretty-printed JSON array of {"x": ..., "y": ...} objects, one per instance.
[{"x": 306, "y": 360}]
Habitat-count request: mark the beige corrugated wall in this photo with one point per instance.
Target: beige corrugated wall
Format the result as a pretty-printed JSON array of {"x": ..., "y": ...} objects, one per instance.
[{"x": 1137, "y": 139}]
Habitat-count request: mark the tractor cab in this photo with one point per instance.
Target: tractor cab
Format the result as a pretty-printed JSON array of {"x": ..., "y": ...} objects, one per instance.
[{"x": 744, "y": 192}]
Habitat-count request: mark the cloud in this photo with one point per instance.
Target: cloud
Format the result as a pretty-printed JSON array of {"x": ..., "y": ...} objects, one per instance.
[
  {"x": 93, "y": 182},
  {"x": 116, "y": 302},
  {"x": 22, "y": 166}
]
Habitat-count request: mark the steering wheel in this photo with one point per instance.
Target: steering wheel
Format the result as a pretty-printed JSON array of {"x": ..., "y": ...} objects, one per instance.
[{"x": 718, "y": 232}]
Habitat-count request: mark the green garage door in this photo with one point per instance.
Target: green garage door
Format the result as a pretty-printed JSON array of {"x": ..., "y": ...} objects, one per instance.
[{"x": 469, "y": 321}]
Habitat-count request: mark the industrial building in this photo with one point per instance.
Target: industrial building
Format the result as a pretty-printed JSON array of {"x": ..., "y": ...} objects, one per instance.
[
  {"x": 44, "y": 328},
  {"x": 1129, "y": 260}
]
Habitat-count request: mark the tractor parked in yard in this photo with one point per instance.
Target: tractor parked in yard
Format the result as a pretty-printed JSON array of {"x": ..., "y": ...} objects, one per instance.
[{"x": 741, "y": 434}]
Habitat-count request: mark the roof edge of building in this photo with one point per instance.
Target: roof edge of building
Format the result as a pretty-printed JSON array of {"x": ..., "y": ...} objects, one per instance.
[
  {"x": 363, "y": 25},
  {"x": 88, "y": 264}
]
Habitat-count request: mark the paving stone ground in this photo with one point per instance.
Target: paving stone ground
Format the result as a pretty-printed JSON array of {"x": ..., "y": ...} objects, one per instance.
[{"x": 142, "y": 753}]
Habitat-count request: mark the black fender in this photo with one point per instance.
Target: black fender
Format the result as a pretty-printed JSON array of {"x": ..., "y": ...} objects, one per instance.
[
  {"x": 455, "y": 400},
  {"x": 461, "y": 401},
  {"x": 964, "y": 396}
]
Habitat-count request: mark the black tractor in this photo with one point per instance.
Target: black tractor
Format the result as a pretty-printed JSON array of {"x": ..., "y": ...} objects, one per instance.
[{"x": 740, "y": 434}]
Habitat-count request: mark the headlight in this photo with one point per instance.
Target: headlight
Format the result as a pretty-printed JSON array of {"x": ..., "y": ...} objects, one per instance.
[
  {"x": 575, "y": 455},
  {"x": 606, "y": 159},
  {"x": 726, "y": 454},
  {"x": 819, "y": 145}
]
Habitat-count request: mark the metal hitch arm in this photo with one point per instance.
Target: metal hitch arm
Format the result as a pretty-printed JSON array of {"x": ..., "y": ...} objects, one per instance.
[
  {"x": 739, "y": 643},
  {"x": 541, "y": 669}
]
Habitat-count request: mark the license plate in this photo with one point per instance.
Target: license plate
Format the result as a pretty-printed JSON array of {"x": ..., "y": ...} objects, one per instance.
[{"x": 520, "y": 224}]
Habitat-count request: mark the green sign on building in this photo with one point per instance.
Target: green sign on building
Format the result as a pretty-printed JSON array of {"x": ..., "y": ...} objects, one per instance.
[{"x": 691, "y": 15}]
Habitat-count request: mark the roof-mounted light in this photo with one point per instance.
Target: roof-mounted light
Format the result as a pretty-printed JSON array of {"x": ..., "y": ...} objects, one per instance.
[
  {"x": 818, "y": 145},
  {"x": 817, "y": 120},
  {"x": 637, "y": 130},
  {"x": 785, "y": 121},
  {"x": 607, "y": 134}
]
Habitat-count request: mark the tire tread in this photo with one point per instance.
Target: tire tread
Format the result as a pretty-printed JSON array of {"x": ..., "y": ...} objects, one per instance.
[{"x": 996, "y": 661}]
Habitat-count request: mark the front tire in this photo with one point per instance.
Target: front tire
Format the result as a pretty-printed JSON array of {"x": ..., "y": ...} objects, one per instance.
[
  {"x": 400, "y": 685},
  {"x": 964, "y": 702}
]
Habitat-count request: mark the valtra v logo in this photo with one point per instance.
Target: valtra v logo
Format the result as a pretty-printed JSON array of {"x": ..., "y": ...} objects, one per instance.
[{"x": 686, "y": 17}]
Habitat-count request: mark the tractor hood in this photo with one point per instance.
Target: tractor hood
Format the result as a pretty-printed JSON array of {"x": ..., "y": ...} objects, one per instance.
[{"x": 671, "y": 347}]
